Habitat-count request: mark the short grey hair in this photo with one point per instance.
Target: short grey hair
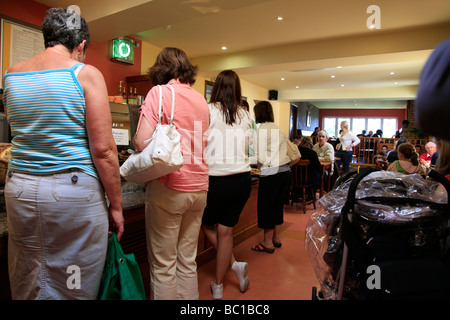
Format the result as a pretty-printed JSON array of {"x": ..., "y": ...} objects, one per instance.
[{"x": 324, "y": 132}]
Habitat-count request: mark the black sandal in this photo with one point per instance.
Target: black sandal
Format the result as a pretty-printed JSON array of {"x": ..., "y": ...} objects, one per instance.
[
  {"x": 260, "y": 247},
  {"x": 277, "y": 244}
]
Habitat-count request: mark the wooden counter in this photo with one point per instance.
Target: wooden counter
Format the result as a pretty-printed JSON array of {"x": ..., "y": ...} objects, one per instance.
[
  {"x": 134, "y": 238},
  {"x": 246, "y": 227}
]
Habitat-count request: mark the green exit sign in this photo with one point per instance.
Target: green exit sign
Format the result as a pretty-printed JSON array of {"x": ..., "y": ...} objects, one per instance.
[{"x": 123, "y": 50}]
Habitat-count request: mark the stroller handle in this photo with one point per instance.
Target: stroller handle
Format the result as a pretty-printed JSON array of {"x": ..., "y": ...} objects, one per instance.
[
  {"x": 350, "y": 203},
  {"x": 351, "y": 197}
]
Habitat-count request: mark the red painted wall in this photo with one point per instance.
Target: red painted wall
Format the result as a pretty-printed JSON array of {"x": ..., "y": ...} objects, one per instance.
[
  {"x": 97, "y": 54},
  {"x": 24, "y": 10}
]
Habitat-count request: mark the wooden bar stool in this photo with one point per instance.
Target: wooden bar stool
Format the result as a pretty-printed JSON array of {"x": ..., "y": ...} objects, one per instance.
[{"x": 299, "y": 181}]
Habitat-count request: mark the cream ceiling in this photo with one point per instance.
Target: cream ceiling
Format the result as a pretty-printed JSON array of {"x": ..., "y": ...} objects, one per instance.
[{"x": 315, "y": 41}]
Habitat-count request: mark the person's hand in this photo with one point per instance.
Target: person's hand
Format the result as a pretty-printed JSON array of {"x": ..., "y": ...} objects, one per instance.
[{"x": 117, "y": 221}]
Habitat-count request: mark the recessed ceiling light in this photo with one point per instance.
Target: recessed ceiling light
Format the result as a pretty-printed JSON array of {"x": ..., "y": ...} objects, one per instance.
[
  {"x": 333, "y": 76},
  {"x": 279, "y": 18},
  {"x": 392, "y": 73},
  {"x": 224, "y": 48},
  {"x": 296, "y": 87},
  {"x": 282, "y": 79},
  {"x": 342, "y": 85}
]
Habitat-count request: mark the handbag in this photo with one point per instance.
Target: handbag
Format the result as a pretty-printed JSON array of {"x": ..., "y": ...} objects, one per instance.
[
  {"x": 161, "y": 156},
  {"x": 121, "y": 278},
  {"x": 292, "y": 152}
]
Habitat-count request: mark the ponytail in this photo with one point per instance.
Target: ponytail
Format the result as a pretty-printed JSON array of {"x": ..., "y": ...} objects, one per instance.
[
  {"x": 409, "y": 151},
  {"x": 415, "y": 158}
]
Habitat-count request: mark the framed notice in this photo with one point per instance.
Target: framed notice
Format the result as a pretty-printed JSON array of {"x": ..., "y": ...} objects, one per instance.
[{"x": 19, "y": 41}]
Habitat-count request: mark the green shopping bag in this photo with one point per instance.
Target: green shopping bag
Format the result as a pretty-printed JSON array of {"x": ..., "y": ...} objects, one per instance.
[{"x": 121, "y": 278}]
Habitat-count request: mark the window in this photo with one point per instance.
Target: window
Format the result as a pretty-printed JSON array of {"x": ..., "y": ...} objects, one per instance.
[
  {"x": 329, "y": 125},
  {"x": 373, "y": 124},
  {"x": 389, "y": 127},
  {"x": 357, "y": 125}
]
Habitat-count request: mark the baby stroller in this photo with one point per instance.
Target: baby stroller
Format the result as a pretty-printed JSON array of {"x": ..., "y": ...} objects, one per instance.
[{"x": 382, "y": 235}]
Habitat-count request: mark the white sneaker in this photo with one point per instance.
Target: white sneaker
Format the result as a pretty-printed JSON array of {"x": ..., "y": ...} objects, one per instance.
[
  {"x": 217, "y": 290},
  {"x": 241, "y": 270}
]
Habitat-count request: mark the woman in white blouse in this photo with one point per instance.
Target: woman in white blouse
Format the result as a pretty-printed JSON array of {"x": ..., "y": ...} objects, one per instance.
[
  {"x": 229, "y": 176},
  {"x": 348, "y": 140}
]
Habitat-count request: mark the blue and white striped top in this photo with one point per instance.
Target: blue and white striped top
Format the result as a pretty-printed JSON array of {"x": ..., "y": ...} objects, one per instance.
[{"x": 47, "y": 113}]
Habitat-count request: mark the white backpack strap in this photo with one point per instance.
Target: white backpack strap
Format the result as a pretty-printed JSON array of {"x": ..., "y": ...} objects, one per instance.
[{"x": 173, "y": 103}]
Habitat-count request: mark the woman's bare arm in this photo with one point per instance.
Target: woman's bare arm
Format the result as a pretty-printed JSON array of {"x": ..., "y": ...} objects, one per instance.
[{"x": 101, "y": 141}]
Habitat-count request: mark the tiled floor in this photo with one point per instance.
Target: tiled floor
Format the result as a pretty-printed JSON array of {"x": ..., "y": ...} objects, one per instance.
[{"x": 287, "y": 274}]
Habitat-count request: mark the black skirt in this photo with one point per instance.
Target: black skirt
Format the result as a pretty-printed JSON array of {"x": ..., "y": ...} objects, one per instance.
[
  {"x": 227, "y": 196},
  {"x": 271, "y": 197}
]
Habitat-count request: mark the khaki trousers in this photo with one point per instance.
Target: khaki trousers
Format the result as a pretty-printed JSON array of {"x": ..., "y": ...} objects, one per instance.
[{"x": 173, "y": 220}]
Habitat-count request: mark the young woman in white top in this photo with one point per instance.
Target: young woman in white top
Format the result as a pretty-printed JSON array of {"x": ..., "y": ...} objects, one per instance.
[
  {"x": 348, "y": 140},
  {"x": 229, "y": 175}
]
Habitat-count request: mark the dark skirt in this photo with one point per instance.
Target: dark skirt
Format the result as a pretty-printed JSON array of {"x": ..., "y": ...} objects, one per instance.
[
  {"x": 271, "y": 197},
  {"x": 227, "y": 196}
]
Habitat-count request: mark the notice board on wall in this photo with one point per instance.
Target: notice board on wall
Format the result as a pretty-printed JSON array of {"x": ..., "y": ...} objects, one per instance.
[{"x": 19, "y": 41}]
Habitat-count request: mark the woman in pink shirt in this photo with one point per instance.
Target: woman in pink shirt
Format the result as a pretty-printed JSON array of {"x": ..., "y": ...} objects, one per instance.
[{"x": 174, "y": 203}]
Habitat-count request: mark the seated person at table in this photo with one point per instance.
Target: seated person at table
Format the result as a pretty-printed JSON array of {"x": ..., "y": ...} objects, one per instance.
[
  {"x": 426, "y": 158},
  {"x": 408, "y": 162},
  {"x": 324, "y": 150},
  {"x": 314, "y": 169},
  {"x": 384, "y": 151},
  {"x": 419, "y": 149},
  {"x": 381, "y": 158},
  {"x": 378, "y": 134},
  {"x": 393, "y": 154}
]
